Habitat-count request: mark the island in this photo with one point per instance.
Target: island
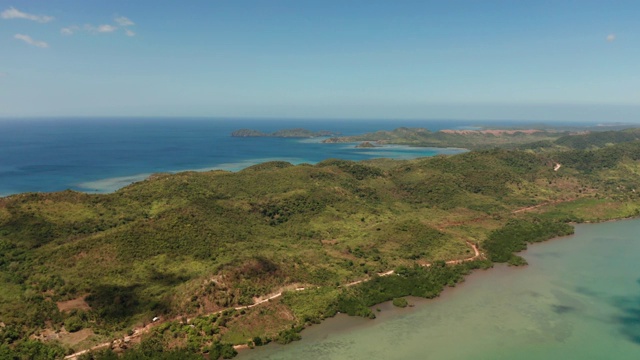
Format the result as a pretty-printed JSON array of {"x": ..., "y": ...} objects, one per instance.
[
  {"x": 543, "y": 138},
  {"x": 287, "y": 133},
  {"x": 208, "y": 262},
  {"x": 366, "y": 145}
]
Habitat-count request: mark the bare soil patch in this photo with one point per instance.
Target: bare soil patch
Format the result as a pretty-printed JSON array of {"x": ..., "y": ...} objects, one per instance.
[{"x": 74, "y": 338}]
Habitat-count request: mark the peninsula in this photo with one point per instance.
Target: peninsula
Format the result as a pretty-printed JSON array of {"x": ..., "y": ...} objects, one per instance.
[{"x": 544, "y": 139}]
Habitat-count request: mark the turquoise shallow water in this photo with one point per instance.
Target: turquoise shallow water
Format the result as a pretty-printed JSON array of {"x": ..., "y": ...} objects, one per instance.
[{"x": 578, "y": 299}]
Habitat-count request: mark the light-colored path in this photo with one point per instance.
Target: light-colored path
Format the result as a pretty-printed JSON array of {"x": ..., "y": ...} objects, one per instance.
[
  {"x": 529, "y": 208},
  {"x": 143, "y": 330}
]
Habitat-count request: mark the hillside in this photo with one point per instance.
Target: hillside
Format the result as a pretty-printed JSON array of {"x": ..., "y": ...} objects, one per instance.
[
  {"x": 523, "y": 139},
  {"x": 198, "y": 244},
  {"x": 468, "y": 139}
]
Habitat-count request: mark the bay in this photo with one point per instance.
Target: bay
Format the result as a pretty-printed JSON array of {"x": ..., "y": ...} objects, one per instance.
[
  {"x": 104, "y": 154},
  {"x": 579, "y": 298},
  {"x": 99, "y": 155}
]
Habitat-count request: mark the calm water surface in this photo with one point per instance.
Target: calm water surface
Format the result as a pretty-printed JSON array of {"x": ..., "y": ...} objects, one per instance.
[
  {"x": 578, "y": 299},
  {"x": 103, "y": 155}
]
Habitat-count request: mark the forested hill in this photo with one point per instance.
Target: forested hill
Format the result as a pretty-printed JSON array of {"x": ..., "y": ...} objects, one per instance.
[
  {"x": 468, "y": 139},
  {"x": 534, "y": 139},
  {"x": 78, "y": 269}
]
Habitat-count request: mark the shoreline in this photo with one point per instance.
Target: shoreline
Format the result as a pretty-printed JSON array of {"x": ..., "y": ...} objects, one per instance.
[
  {"x": 139, "y": 332},
  {"x": 109, "y": 185},
  {"x": 418, "y": 302},
  {"x": 278, "y": 293},
  {"x": 356, "y": 322}
]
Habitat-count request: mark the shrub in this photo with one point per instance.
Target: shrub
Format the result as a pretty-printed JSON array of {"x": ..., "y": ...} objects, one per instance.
[
  {"x": 73, "y": 324},
  {"x": 400, "y": 302}
]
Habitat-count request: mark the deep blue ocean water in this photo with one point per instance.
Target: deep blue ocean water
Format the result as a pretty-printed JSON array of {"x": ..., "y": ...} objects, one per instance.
[{"x": 103, "y": 154}]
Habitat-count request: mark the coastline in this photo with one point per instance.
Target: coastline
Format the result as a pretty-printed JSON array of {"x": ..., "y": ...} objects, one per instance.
[
  {"x": 445, "y": 294},
  {"x": 113, "y": 184},
  {"x": 344, "y": 324}
]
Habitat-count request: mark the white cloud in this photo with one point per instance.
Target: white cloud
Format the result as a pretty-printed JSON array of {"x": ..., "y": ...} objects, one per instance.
[
  {"x": 106, "y": 28},
  {"x": 611, "y": 37},
  {"x": 123, "y": 21},
  {"x": 69, "y": 30},
  {"x": 30, "y": 41},
  {"x": 13, "y": 13}
]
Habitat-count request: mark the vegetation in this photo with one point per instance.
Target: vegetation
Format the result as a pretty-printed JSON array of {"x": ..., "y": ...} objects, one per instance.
[
  {"x": 79, "y": 269},
  {"x": 542, "y": 139},
  {"x": 426, "y": 282},
  {"x": 469, "y": 139},
  {"x": 152, "y": 349},
  {"x": 295, "y": 133},
  {"x": 502, "y": 244},
  {"x": 400, "y": 302}
]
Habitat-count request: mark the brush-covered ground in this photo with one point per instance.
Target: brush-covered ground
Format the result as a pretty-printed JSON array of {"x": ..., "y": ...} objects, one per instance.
[
  {"x": 77, "y": 270},
  {"x": 538, "y": 139}
]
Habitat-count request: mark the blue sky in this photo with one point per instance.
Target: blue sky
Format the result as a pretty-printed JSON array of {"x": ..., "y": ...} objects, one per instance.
[{"x": 533, "y": 60}]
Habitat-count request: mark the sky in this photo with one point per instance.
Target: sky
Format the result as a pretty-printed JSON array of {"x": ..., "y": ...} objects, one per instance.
[{"x": 529, "y": 60}]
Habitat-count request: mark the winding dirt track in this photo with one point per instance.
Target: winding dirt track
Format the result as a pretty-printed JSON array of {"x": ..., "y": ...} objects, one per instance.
[{"x": 138, "y": 332}]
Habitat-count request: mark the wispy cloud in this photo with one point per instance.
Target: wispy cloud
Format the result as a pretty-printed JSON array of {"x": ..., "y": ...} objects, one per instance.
[
  {"x": 611, "y": 37},
  {"x": 30, "y": 41},
  {"x": 13, "y": 13},
  {"x": 123, "y": 21},
  {"x": 69, "y": 30},
  {"x": 106, "y": 28}
]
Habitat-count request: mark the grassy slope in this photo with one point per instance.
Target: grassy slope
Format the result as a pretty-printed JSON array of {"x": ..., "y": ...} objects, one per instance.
[
  {"x": 194, "y": 243},
  {"x": 471, "y": 140}
]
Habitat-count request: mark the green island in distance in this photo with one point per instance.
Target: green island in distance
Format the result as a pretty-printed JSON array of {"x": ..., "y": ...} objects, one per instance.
[
  {"x": 194, "y": 263},
  {"x": 287, "y": 133}
]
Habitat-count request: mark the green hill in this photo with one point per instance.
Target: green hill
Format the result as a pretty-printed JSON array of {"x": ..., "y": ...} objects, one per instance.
[
  {"x": 468, "y": 139},
  {"x": 522, "y": 139}
]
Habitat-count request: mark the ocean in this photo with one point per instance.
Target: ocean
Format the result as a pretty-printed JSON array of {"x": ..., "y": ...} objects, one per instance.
[
  {"x": 579, "y": 298},
  {"x": 100, "y": 155}
]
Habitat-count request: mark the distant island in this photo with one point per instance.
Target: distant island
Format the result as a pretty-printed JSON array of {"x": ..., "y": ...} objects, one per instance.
[
  {"x": 469, "y": 139},
  {"x": 551, "y": 139},
  {"x": 286, "y": 133}
]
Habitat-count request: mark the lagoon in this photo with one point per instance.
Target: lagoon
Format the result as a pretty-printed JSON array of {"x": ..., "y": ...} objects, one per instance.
[{"x": 579, "y": 298}]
